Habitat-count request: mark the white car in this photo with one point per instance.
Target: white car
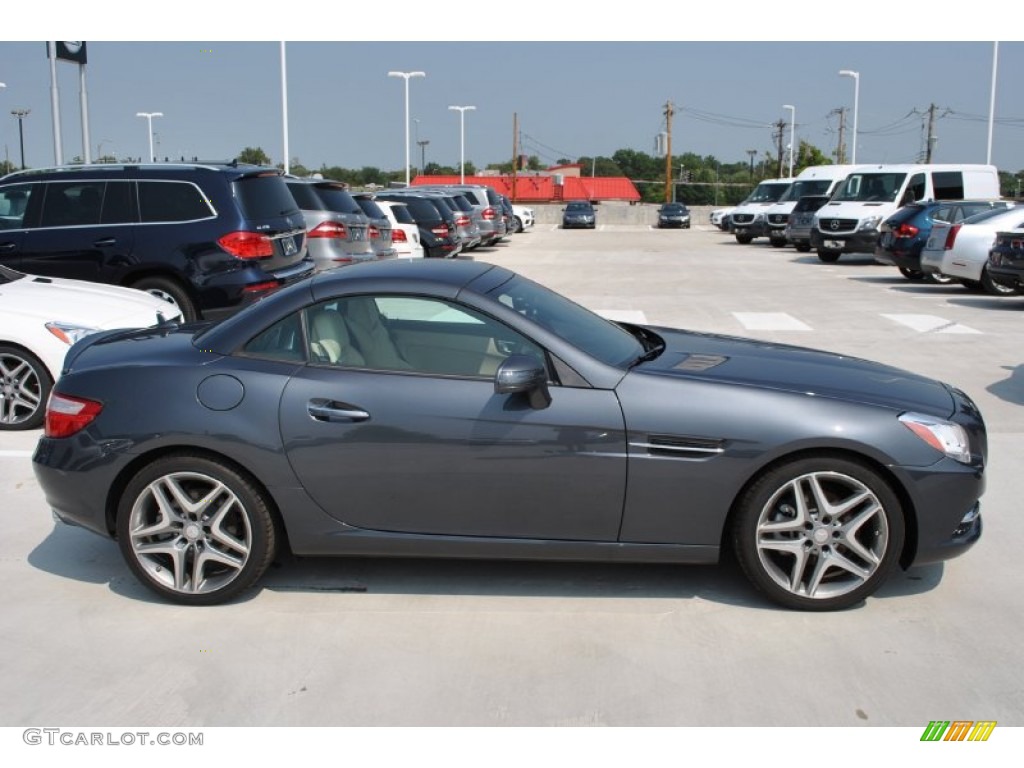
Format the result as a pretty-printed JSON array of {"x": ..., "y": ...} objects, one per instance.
[
  {"x": 41, "y": 317},
  {"x": 961, "y": 250},
  {"x": 718, "y": 217},
  {"x": 405, "y": 233},
  {"x": 524, "y": 217}
]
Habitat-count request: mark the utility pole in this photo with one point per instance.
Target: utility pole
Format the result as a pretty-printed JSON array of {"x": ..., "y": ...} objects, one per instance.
[
  {"x": 669, "y": 111},
  {"x": 515, "y": 151},
  {"x": 781, "y": 125},
  {"x": 753, "y": 154},
  {"x": 932, "y": 138},
  {"x": 423, "y": 154},
  {"x": 841, "y": 149}
]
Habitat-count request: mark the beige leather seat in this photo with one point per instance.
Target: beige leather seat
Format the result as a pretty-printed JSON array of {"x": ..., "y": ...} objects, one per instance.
[
  {"x": 330, "y": 340},
  {"x": 370, "y": 336}
]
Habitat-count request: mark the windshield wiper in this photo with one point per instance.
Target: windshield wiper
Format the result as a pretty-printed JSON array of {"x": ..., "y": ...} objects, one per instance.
[{"x": 650, "y": 354}]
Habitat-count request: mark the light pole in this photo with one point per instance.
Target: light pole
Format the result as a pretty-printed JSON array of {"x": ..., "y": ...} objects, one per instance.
[
  {"x": 856, "y": 105},
  {"x": 21, "y": 114},
  {"x": 792, "y": 135},
  {"x": 423, "y": 154},
  {"x": 149, "y": 120},
  {"x": 405, "y": 76},
  {"x": 462, "y": 141},
  {"x": 752, "y": 153}
]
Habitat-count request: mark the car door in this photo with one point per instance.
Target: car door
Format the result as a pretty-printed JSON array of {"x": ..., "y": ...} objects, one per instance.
[
  {"x": 84, "y": 232},
  {"x": 399, "y": 429},
  {"x": 15, "y": 215}
]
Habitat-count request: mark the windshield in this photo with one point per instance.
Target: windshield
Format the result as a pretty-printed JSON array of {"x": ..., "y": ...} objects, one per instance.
[
  {"x": 578, "y": 207},
  {"x": 601, "y": 339},
  {"x": 870, "y": 187},
  {"x": 804, "y": 187},
  {"x": 768, "y": 192}
]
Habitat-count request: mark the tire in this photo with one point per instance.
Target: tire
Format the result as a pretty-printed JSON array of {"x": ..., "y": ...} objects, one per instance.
[
  {"x": 164, "y": 541},
  {"x": 777, "y": 243},
  {"x": 171, "y": 291},
  {"x": 829, "y": 257},
  {"x": 911, "y": 274},
  {"x": 992, "y": 288},
  {"x": 819, "y": 533},
  {"x": 938, "y": 278},
  {"x": 25, "y": 386},
  {"x": 803, "y": 247},
  {"x": 744, "y": 239},
  {"x": 518, "y": 225}
]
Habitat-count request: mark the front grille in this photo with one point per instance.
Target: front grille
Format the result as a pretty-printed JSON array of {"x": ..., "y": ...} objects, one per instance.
[
  {"x": 837, "y": 225},
  {"x": 778, "y": 218},
  {"x": 742, "y": 218}
]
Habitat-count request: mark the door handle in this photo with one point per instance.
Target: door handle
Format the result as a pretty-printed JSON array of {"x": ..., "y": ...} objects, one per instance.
[
  {"x": 331, "y": 410},
  {"x": 8, "y": 246},
  {"x": 105, "y": 241}
]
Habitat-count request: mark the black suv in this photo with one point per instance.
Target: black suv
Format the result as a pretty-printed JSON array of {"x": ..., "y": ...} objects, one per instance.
[{"x": 209, "y": 238}]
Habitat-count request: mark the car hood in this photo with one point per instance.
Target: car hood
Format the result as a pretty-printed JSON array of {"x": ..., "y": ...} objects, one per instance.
[
  {"x": 782, "y": 367},
  {"x": 82, "y": 303}
]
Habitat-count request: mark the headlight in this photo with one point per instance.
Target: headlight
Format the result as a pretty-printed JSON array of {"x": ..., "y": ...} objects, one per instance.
[
  {"x": 944, "y": 436},
  {"x": 870, "y": 223},
  {"x": 69, "y": 333}
]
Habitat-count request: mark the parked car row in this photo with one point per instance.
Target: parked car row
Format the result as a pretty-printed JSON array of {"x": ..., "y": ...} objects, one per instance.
[{"x": 935, "y": 223}]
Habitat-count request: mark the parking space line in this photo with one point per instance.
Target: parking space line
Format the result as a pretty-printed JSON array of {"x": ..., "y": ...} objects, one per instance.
[
  {"x": 15, "y": 454},
  {"x": 623, "y": 315},
  {"x": 930, "y": 324},
  {"x": 770, "y": 321}
]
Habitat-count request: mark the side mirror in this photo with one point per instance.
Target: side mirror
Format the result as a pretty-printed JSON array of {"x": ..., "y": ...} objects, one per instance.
[{"x": 524, "y": 373}]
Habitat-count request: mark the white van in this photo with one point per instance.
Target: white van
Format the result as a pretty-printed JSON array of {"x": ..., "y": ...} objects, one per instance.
[
  {"x": 748, "y": 218},
  {"x": 850, "y": 221},
  {"x": 815, "y": 180}
]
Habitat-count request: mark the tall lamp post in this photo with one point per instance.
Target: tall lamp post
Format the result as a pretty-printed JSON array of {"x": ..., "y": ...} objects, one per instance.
[
  {"x": 462, "y": 141},
  {"x": 792, "y": 135},
  {"x": 21, "y": 114},
  {"x": 423, "y": 153},
  {"x": 405, "y": 76},
  {"x": 149, "y": 120},
  {"x": 856, "y": 105}
]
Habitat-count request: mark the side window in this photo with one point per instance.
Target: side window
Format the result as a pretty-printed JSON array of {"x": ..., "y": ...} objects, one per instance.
[
  {"x": 168, "y": 201},
  {"x": 13, "y": 204},
  {"x": 422, "y": 335},
  {"x": 72, "y": 203},
  {"x": 281, "y": 341},
  {"x": 949, "y": 185},
  {"x": 916, "y": 188},
  {"x": 117, "y": 207}
]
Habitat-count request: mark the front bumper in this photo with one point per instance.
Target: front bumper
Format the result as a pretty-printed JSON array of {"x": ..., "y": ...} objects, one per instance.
[{"x": 856, "y": 242}]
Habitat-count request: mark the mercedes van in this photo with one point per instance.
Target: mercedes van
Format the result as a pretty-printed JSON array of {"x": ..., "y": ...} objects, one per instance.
[
  {"x": 850, "y": 221},
  {"x": 815, "y": 180},
  {"x": 748, "y": 218}
]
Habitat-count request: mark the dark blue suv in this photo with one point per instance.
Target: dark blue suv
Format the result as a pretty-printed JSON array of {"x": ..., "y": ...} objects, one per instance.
[
  {"x": 209, "y": 238},
  {"x": 903, "y": 235}
]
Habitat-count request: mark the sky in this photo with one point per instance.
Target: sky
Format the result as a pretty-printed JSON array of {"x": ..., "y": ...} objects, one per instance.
[{"x": 571, "y": 98}]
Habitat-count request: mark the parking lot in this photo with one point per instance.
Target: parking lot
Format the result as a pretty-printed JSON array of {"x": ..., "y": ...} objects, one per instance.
[{"x": 413, "y": 642}]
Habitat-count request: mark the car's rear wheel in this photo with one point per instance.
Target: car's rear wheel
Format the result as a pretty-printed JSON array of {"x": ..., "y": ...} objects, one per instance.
[
  {"x": 938, "y": 278},
  {"x": 195, "y": 530},
  {"x": 25, "y": 385},
  {"x": 992, "y": 288},
  {"x": 171, "y": 291},
  {"x": 803, "y": 247},
  {"x": 829, "y": 257},
  {"x": 818, "y": 533}
]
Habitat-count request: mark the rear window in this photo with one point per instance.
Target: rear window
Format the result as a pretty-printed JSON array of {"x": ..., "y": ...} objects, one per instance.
[
  {"x": 462, "y": 203},
  {"x": 305, "y": 197},
  {"x": 986, "y": 215},
  {"x": 264, "y": 197},
  {"x": 421, "y": 210},
  {"x": 338, "y": 199},
  {"x": 493, "y": 197},
  {"x": 401, "y": 214},
  {"x": 370, "y": 208}
]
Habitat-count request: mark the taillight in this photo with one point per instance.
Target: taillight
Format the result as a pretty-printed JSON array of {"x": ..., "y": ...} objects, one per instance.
[
  {"x": 330, "y": 229},
  {"x": 441, "y": 230},
  {"x": 489, "y": 214},
  {"x": 66, "y": 415},
  {"x": 374, "y": 232},
  {"x": 398, "y": 236},
  {"x": 247, "y": 245},
  {"x": 951, "y": 236},
  {"x": 261, "y": 287},
  {"x": 906, "y": 230},
  {"x": 462, "y": 221}
]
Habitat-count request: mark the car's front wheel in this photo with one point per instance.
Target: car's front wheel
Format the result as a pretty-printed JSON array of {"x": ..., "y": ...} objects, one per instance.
[
  {"x": 818, "y": 533},
  {"x": 829, "y": 257},
  {"x": 744, "y": 239},
  {"x": 194, "y": 529},
  {"x": 25, "y": 385},
  {"x": 992, "y": 288}
]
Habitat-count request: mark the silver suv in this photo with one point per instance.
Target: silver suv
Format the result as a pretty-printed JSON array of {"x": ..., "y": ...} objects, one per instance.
[{"x": 338, "y": 231}]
